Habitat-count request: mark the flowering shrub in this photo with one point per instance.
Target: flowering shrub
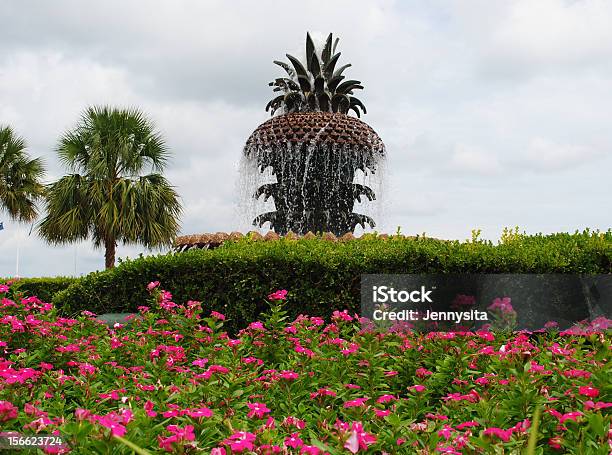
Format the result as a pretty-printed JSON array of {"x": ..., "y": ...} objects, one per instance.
[{"x": 170, "y": 380}]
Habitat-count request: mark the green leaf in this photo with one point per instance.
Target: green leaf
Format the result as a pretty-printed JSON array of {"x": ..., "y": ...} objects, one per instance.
[
  {"x": 319, "y": 85},
  {"x": 596, "y": 422},
  {"x": 286, "y": 67},
  {"x": 335, "y": 45},
  {"x": 340, "y": 70},
  {"x": 327, "y": 49},
  {"x": 305, "y": 83},
  {"x": 347, "y": 86},
  {"x": 310, "y": 51},
  {"x": 315, "y": 66},
  {"x": 357, "y": 102},
  {"x": 330, "y": 65},
  {"x": 332, "y": 84},
  {"x": 132, "y": 446},
  {"x": 533, "y": 432},
  {"x": 324, "y": 102},
  {"x": 299, "y": 68}
]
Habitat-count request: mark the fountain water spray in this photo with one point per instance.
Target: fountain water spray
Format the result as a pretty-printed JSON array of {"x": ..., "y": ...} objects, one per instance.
[{"x": 312, "y": 161}]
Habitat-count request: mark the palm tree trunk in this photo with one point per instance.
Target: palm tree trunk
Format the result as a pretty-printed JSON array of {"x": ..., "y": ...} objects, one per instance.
[{"x": 109, "y": 255}]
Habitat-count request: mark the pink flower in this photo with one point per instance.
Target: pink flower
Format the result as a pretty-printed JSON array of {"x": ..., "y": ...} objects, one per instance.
[
  {"x": 468, "y": 424},
  {"x": 292, "y": 421},
  {"x": 472, "y": 397},
  {"x": 82, "y": 414},
  {"x": 294, "y": 441},
  {"x": 503, "y": 305},
  {"x": 152, "y": 285},
  {"x": 322, "y": 392},
  {"x": 481, "y": 381},
  {"x": 422, "y": 372},
  {"x": 258, "y": 410},
  {"x": 577, "y": 374},
  {"x": 254, "y": 360},
  {"x": 278, "y": 295},
  {"x": 355, "y": 403},
  {"x": 86, "y": 369},
  {"x": 353, "y": 347},
  {"x": 555, "y": 442},
  {"x": 386, "y": 398},
  {"x": 358, "y": 439},
  {"x": 310, "y": 450},
  {"x": 8, "y": 411},
  {"x": 113, "y": 422},
  {"x": 240, "y": 441},
  {"x": 570, "y": 416},
  {"x": 341, "y": 316},
  {"x": 12, "y": 376},
  {"x": 302, "y": 350},
  {"x": 417, "y": 388},
  {"x": 3, "y": 288},
  {"x": 289, "y": 375},
  {"x": 199, "y": 412},
  {"x": 446, "y": 432},
  {"x": 219, "y": 317},
  {"x": 256, "y": 326},
  {"x": 200, "y": 362},
  {"x": 148, "y": 407},
  {"x": 587, "y": 391},
  {"x": 448, "y": 450},
  {"x": 179, "y": 435},
  {"x": 597, "y": 406},
  {"x": 522, "y": 426},
  {"x": 504, "y": 435}
]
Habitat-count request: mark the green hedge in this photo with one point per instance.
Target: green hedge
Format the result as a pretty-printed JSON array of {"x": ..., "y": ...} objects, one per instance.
[
  {"x": 236, "y": 278},
  {"x": 43, "y": 288}
]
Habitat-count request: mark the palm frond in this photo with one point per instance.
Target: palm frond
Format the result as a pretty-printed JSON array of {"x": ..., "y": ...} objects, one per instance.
[
  {"x": 314, "y": 86},
  {"x": 20, "y": 177}
]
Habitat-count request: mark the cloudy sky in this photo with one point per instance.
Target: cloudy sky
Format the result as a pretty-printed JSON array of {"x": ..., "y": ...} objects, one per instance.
[{"x": 495, "y": 113}]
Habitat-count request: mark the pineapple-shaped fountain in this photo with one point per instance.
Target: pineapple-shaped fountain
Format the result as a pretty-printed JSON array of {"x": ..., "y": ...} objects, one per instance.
[{"x": 313, "y": 148}]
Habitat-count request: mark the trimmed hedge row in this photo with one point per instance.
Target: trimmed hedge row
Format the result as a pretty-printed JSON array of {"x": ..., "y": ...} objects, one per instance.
[
  {"x": 235, "y": 278},
  {"x": 44, "y": 288}
]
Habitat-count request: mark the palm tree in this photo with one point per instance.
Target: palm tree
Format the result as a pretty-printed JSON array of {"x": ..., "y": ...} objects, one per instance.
[
  {"x": 20, "y": 176},
  {"x": 114, "y": 191}
]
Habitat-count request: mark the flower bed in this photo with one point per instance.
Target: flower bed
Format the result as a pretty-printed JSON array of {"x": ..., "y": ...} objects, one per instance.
[{"x": 171, "y": 380}]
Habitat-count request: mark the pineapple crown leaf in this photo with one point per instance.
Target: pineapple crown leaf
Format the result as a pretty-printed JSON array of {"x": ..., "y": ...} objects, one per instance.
[{"x": 317, "y": 85}]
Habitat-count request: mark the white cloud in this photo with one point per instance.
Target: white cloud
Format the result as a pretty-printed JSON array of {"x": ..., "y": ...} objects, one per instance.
[
  {"x": 472, "y": 160},
  {"x": 547, "y": 156},
  {"x": 554, "y": 32}
]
